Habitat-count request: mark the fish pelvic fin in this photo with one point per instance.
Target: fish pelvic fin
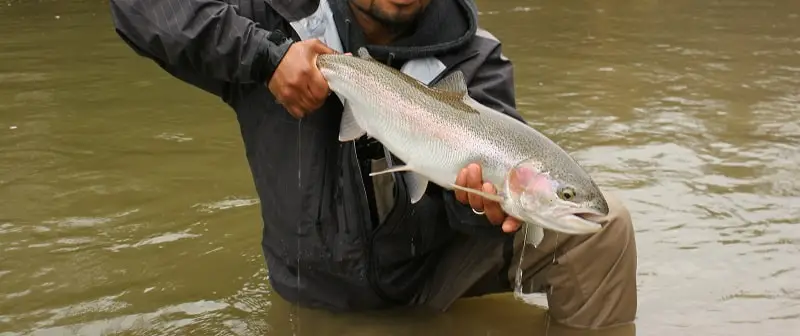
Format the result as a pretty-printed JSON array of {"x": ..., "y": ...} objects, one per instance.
[
  {"x": 495, "y": 198},
  {"x": 534, "y": 234},
  {"x": 349, "y": 129},
  {"x": 416, "y": 184}
]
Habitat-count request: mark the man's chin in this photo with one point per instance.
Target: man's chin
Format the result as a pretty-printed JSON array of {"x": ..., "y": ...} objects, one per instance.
[{"x": 396, "y": 22}]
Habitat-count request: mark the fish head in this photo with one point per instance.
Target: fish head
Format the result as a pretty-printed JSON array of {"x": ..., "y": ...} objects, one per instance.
[{"x": 568, "y": 203}]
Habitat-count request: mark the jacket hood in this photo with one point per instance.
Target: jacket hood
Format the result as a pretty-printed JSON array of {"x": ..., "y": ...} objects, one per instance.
[{"x": 443, "y": 26}]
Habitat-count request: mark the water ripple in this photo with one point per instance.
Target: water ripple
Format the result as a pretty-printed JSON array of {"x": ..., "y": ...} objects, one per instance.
[{"x": 118, "y": 182}]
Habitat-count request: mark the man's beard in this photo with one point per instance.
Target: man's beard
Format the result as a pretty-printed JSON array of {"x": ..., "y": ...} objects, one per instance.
[{"x": 394, "y": 25}]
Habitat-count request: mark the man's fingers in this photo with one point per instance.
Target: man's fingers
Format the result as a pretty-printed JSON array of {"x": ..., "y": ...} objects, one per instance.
[
  {"x": 297, "y": 84},
  {"x": 305, "y": 99},
  {"x": 318, "y": 87},
  {"x": 295, "y": 111},
  {"x": 316, "y": 100},
  {"x": 461, "y": 180},
  {"x": 302, "y": 104},
  {"x": 474, "y": 181},
  {"x": 494, "y": 213},
  {"x": 317, "y": 83},
  {"x": 511, "y": 224},
  {"x": 290, "y": 102}
]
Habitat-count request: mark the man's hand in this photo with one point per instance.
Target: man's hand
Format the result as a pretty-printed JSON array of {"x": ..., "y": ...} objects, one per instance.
[
  {"x": 471, "y": 177},
  {"x": 297, "y": 83}
]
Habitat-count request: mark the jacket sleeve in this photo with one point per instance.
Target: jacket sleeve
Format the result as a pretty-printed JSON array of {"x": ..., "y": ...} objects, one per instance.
[
  {"x": 493, "y": 86},
  {"x": 204, "y": 42}
]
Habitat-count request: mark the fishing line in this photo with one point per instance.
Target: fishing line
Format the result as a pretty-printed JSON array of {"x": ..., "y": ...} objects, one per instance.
[
  {"x": 296, "y": 326},
  {"x": 547, "y": 323},
  {"x": 518, "y": 281},
  {"x": 518, "y": 278}
]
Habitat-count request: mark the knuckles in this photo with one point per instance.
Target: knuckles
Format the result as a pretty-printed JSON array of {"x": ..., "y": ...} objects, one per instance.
[{"x": 286, "y": 94}]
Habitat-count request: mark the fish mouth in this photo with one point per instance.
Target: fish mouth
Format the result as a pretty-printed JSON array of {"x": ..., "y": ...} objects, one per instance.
[
  {"x": 570, "y": 220},
  {"x": 587, "y": 213}
]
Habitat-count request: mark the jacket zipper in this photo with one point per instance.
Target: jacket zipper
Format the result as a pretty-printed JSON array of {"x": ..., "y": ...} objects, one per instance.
[{"x": 367, "y": 236}]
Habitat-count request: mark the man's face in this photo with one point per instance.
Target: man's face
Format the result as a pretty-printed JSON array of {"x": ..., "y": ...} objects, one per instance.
[{"x": 391, "y": 13}]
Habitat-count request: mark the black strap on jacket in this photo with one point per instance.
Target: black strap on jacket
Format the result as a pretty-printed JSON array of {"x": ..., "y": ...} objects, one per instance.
[{"x": 369, "y": 149}]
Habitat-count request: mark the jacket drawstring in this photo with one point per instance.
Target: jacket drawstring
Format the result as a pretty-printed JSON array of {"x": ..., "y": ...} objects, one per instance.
[{"x": 346, "y": 35}]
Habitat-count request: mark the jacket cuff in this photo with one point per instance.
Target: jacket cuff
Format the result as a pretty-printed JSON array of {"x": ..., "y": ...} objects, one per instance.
[{"x": 271, "y": 50}]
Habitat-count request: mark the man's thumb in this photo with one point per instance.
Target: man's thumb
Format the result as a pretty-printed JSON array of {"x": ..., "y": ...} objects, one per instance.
[{"x": 321, "y": 48}]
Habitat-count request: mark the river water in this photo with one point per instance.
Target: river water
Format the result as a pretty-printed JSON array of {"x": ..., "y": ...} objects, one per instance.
[{"x": 127, "y": 205}]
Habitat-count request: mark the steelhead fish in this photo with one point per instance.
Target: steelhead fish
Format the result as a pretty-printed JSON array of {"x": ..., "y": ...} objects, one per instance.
[{"x": 438, "y": 130}]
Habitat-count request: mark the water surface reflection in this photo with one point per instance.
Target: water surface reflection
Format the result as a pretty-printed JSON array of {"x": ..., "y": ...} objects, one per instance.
[{"x": 129, "y": 207}]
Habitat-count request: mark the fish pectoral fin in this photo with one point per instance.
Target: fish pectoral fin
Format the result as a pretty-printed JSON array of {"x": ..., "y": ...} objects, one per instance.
[
  {"x": 392, "y": 170},
  {"x": 454, "y": 82},
  {"x": 534, "y": 234},
  {"x": 483, "y": 194},
  {"x": 349, "y": 129},
  {"x": 416, "y": 185}
]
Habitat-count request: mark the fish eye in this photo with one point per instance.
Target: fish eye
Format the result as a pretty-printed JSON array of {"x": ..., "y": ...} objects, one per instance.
[{"x": 567, "y": 193}]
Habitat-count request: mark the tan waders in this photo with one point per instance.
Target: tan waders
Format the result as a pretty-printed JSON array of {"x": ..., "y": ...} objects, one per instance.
[{"x": 590, "y": 280}]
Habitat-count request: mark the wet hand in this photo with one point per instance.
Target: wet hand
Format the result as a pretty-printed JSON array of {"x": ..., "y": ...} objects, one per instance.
[
  {"x": 471, "y": 177},
  {"x": 297, "y": 83}
]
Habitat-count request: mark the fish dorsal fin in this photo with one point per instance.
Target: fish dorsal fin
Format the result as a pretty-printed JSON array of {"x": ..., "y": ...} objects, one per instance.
[
  {"x": 454, "y": 87},
  {"x": 454, "y": 82},
  {"x": 363, "y": 53}
]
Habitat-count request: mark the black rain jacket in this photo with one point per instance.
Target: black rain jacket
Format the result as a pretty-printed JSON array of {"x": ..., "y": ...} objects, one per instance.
[{"x": 318, "y": 221}]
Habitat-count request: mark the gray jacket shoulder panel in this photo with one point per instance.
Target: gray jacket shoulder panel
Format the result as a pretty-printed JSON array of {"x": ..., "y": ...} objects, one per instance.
[{"x": 492, "y": 77}]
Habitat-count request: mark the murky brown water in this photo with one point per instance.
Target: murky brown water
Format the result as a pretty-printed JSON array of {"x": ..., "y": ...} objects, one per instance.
[{"x": 127, "y": 204}]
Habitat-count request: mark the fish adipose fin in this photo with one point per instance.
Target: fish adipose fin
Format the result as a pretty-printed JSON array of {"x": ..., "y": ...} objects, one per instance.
[
  {"x": 348, "y": 128},
  {"x": 416, "y": 184}
]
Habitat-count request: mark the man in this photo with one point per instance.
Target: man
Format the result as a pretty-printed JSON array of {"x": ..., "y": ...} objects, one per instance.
[{"x": 333, "y": 237}]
